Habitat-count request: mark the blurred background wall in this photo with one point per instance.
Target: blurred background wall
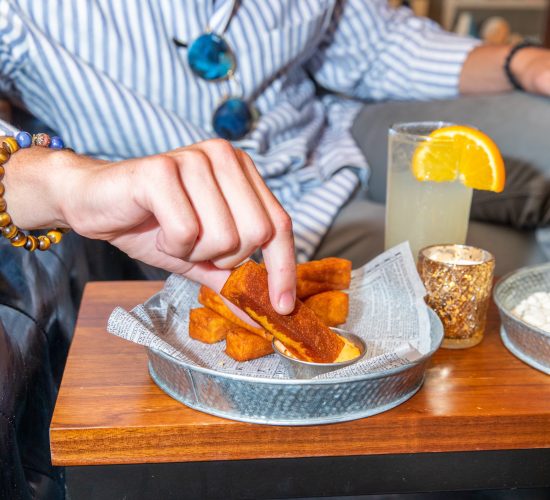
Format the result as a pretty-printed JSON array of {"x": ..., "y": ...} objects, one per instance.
[{"x": 496, "y": 21}]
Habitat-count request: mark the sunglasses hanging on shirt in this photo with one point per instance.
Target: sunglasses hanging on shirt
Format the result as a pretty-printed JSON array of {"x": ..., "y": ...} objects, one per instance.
[{"x": 210, "y": 57}]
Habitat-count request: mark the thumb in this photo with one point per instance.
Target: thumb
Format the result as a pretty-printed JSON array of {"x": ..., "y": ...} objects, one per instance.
[{"x": 209, "y": 275}]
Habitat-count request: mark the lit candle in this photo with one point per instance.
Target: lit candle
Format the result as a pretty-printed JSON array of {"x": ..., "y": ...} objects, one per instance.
[{"x": 458, "y": 280}]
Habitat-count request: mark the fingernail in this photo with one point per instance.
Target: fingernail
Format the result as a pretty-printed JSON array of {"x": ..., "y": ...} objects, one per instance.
[{"x": 286, "y": 303}]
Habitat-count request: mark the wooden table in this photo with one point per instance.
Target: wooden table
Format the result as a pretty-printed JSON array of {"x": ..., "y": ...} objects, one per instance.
[{"x": 482, "y": 420}]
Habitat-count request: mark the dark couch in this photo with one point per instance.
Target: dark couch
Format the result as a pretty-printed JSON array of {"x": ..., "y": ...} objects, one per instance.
[
  {"x": 38, "y": 303},
  {"x": 39, "y": 298}
]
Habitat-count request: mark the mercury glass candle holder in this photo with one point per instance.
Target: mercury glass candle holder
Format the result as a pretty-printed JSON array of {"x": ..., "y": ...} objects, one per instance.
[{"x": 458, "y": 281}]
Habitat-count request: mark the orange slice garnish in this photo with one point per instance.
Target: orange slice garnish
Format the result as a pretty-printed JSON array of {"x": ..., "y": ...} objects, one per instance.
[{"x": 463, "y": 153}]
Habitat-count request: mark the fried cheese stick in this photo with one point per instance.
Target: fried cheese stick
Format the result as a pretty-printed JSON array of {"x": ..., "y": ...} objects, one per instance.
[{"x": 301, "y": 332}]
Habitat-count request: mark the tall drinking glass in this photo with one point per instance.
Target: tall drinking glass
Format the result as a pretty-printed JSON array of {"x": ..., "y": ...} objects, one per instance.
[{"x": 423, "y": 212}]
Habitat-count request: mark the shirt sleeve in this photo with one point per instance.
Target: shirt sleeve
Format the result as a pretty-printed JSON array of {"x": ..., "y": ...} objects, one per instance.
[
  {"x": 7, "y": 128},
  {"x": 13, "y": 46},
  {"x": 372, "y": 51}
]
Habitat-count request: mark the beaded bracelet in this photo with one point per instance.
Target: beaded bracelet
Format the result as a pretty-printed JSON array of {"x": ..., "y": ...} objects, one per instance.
[{"x": 8, "y": 146}]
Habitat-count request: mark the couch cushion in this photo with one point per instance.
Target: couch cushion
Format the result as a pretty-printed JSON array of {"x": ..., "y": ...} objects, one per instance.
[
  {"x": 514, "y": 120},
  {"x": 39, "y": 296},
  {"x": 358, "y": 235}
]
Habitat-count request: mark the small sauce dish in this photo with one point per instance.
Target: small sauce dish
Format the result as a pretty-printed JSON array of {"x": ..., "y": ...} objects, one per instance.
[{"x": 306, "y": 369}]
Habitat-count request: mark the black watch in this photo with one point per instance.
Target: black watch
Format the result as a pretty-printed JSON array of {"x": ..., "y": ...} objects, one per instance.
[{"x": 508, "y": 62}]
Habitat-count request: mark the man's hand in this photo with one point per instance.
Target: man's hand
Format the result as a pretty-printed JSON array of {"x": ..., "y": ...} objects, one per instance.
[{"x": 197, "y": 211}]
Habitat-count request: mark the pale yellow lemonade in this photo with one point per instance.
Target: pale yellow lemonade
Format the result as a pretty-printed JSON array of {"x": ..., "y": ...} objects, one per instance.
[
  {"x": 425, "y": 213},
  {"x": 422, "y": 212}
]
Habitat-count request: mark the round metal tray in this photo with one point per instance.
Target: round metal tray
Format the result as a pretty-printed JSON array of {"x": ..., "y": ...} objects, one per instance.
[
  {"x": 520, "y": 354},
  {"x": 290, "y": 402},
  {"x": 525, "y": 341}
]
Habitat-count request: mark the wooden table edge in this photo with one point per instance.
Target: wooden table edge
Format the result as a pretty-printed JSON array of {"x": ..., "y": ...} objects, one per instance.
[
  {"x": 199, "y": 444},
  {"x": 272, "y": 439}
]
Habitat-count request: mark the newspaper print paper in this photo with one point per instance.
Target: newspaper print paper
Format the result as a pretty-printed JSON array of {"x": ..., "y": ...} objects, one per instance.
[{"x": 387, "y": 309}]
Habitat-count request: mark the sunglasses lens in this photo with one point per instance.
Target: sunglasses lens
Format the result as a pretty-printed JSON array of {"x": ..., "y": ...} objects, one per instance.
[
  {"x": 233, "y": 119},
  {"x": 210, "y": 57}
]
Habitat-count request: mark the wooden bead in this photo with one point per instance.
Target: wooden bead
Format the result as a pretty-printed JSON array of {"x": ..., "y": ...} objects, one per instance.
[
  {"x": 32, "y": 243},
  {"x": 4, "y": 155},
  {"x": 43, "y": 243},
  {"x": 19, "y": 239},
  {"x": 10, "y": 144},
  {"x": 5, "y": 219},
  {"x": 54, "y": 236},
  {"x": 9, "y": 231}
]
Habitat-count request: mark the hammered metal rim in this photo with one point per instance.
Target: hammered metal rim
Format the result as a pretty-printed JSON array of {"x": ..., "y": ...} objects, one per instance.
[
  {"x": 518, "y": 274},
  {"x": 288, "y": 422},
  {"x": 518, "y": 353},
  {"x": 436, "y": 327}
]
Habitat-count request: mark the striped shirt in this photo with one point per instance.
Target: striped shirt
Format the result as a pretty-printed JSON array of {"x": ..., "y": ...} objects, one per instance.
[{"x": 107, "y": 76}]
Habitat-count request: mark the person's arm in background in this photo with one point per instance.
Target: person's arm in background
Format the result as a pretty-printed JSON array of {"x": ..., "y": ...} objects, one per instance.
[
  {"x": 483, "y": 70},
  {"x": 372, "y": 51},
  {"x": 375, "y": 52}
]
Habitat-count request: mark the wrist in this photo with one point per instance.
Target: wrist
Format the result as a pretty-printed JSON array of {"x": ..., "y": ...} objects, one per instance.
[
  {"x": 38, "y": 182},
  {"x": 518, "y": 63},
  {"x": 67, "y": 185}
]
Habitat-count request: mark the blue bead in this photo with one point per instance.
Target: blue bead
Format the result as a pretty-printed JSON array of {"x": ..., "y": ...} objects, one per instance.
[
  {"x": 56, "y": 143},
  {"x": 233, "y": 119},
  {"x": 210, "y": 57},
  {"x": 24, "y": 139}
]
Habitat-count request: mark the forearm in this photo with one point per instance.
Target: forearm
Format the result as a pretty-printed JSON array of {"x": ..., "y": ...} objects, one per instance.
[
  {"x": 483, "y": 70},
  {"x": 38, "y": 183},
  {"x": 376, "y": 52}
]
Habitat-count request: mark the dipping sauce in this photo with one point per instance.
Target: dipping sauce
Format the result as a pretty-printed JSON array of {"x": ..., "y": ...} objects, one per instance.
[{"x": 349, "y": 352}]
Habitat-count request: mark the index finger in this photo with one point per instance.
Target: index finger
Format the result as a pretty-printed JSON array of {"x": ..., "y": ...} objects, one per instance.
[{"x": 278, "y": 252}]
